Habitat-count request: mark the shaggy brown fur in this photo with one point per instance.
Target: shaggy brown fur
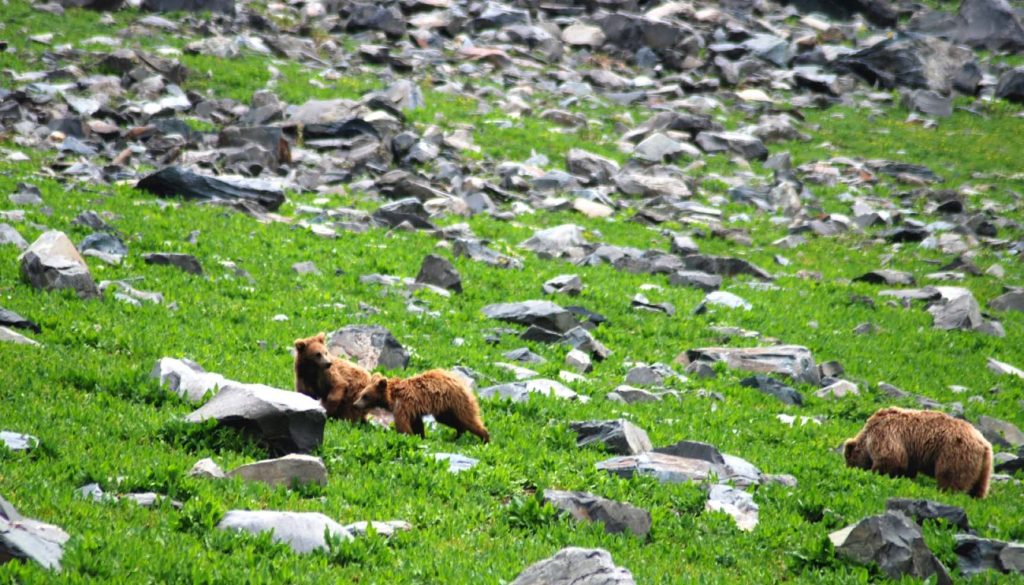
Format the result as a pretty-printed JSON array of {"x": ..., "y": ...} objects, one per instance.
[
  {"x": 333, "y": 381},
  {"x": 902, "y": 443},
  {"x": 436, "y": 392}
]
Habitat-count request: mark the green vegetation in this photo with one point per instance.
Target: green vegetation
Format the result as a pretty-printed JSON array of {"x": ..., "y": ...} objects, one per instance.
[{"x": 86, "y": 393}]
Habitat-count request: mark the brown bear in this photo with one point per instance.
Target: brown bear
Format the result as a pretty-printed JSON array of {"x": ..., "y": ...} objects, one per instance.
[
  {"x": 435, "y": 392},
  {"x": 902, "y": 443},
  {"x": 333, "y": 381}
]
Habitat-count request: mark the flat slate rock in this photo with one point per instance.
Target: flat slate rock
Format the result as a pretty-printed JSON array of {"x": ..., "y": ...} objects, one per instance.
[
  {"x": 617, "y": 436},
  {"x": 664, "y": 468},
  {"x": 894, "y": 543},
  {"x": 616, "y": 516},
  {"x": 737, "y": 503},
  {"x": 773, "y": 387},
  {"x": 544, "y": 314},
  {"x": 1011, "y": 301},
  {"x": 889, "y": 277},
  {"x": 12, "y": 319},
  {"x": 575, "y": 566},
  {"x": 728, "y": 468},
  {"x": 287, "y": 471},
  {"x": 185, "y": 262},
  {"x": 977, "y": 555},
  {"x": 302, "y": 531},
  {"x": 286, "y": 422},
  {"x": 724, "y": 266},
  {"x": 175, "y": 181},
  {"x": 12, "y": 336},
  {"x": 371, "y": 346},
  {"x": 921, "y": 510},
  {"x": 18, "y": 441},
  {"x": 30, "y": 540},
  {"x": 555, "y": 242},
  {"x": 794, "y": 361},
  {"x": 53, "y": 263}
]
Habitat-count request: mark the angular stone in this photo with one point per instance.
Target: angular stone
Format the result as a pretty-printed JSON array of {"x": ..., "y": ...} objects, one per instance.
[
  {"x": 644, "y": 376},
  {"x": 889, "y": 277},
  {"x": 928, "y": 102},
  {"x": 724, "y": 266},
  {"x": 18, "y": 441},
  {"x": 287, "y": 471},
  {"x": 187, "y": 378},
  {"x": 1011, "y": 301},
  {"x": 1004, "y": 369},
  {"x": 207, "y": 468},
  {"x": 53, "y": 263},
  {"x": 555, "y": 242},
  {"x": 286, "y": 422},
  {"x": 27, "y": 539},
  {"x": 616, "y": 516},
  {"x": 9, "y": 235},
  {"x": 921, "y": 510},
  {"x": 439, "y": 271},
  {"x": 977, "y": 555},
  {"x": 175, "y": 181},
  {"x": 579, "y": 361},
  {"x": 302, "y": 531},
  {"x": 695, "y": 279},
  {"x": 478, "y": 252},
  {"x": 981, "y": 24},
  {"x": 543, "y": 314},
  {"x": 569, "y": 284},
  {"x": 745, "y": 145},
  {"x": 911, "y": 61},
  {"x": 1000, "y": 432},
  {"x": 894, "y": 543},
  {"x": 722, "y": 298},
  {"x": 791, "y": 360},
  {"x": 664, "y": 468},
  {"x": 630, "y": 395},
  {"x": 575, "y": 566},
  {"x": 185, "y": 262},
  {"x": 589, "y": 167},
  {"x": 839, "y": 389},
  {"x": 222, "y": 6},
  {"x": 11, "y": 336},
  {"x": 1011, "y": 85},
  {"x": 617, "y": 436},
  {"x": 734, "y": 502},
  {"x": 371, "y": 346},
  {"x": 774, "y": 388},
  {"x": 579, "y": 34}
]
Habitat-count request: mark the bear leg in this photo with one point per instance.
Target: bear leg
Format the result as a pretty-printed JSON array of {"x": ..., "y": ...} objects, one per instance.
[
  {"x": 417, "y": 426},
  {"x": 449, "y": 419},
  {"x": 403, "y": 423},
  {"x": 477, "y": 428}
]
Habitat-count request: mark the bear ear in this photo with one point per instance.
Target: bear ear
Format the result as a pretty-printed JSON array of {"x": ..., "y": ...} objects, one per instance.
[
  {"x": 382, "y": 383},
  {"x": 321, "y": 337},
  {"x": 848, "y": 447},
  {"x": 300, "y": 344}
]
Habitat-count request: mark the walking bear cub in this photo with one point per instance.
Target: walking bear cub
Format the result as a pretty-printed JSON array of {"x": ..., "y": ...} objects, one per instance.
[
  {"x": 435, "y": 392},
  {"x": 333, "y": 381},
  {"x": 902, "y": 443}
]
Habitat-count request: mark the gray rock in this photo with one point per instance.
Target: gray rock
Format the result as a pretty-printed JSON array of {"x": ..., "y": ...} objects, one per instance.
[
  {"x": 980, "y": 24},
  {"x": 1000, "y": 432},
  {"x": 575, "y": 566},
  {"x": 629, "y": 395},
  {"x": 286, "y": 422},
  {"x": 53, "y": 263},
  {"x": 438, "y": 271},
  {"x": 728, "y": 468},
  {"x": 579, "y": 34},
  {"x": 18, "y": 441},
  {"x": 734, "y": 502},
  {"x": 590, "y": 168},
  {"x": 385, "y": 529},
  {"x": 207, "y": 468},
  {"x": 581, "y": 339},
  {"x": 928, "y": 102},
  {"x": 185, "y": 262},
  {"x": 456, "y": 463},
  {"x": 616, "y": 516},
  {"x": 1011, "y": 301},
  {"x": 1011, "y": 85},
  {"x": 307, "y": 267},
  {"x": 27, "y": 194},
  {"x": 302, "y": 531},
  {"x": 287, "y": 471},
  {"x": 617, "y": 436},
  {"x": 371, "y": 346},
  {"x": 1004, "y": 369},
  {"x": 658, "y": 148},
  {"x": 894, "y": 543},
  {"x": 839, "y": 389},
  {"x": 791, "y": 360},
  {"x": 921, "y": 510},
  {"x": 521, "y": 391},
  {"x": 724, "y": 266},
  {"x": 744, "y": 145},
  {"x": 773, "y": 387},
  {"x": 889, "y": 277},
  {"x": 555, "y": 242},
  {"x": 644, "y": 376},
  {"x": 9, "y": 235},
  {"x": 567, "y": 284},
  {"x": 910, "y": 61},
  {"x": 476, "y": 250},
  {"x": 770, "y": 48},
  {"x": 175, "y": 181},
  {"x": 579, "y": 361},
  {"x": 11, "y": 336},
  {"x": 104, "y": 243},
  {"x": 543, "y": 314},
  {"x": 26, "y": 539},
  {"x": 977, "y": 555},
  {"x": 524, "y": 355},
  {"x": 664, "y": 468},
  {"x": 188, "y": 379},
  {"x": 695, "y": 279}
]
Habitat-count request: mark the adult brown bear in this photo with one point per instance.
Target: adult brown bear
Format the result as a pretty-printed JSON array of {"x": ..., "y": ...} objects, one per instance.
[{"x": 902, "y": 443}]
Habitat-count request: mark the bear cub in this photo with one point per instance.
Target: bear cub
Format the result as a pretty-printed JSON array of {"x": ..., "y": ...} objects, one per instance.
[
  {"x": 436, "y": 392},
  {"x": 902, "y": 443},
  {"x": 333, "y": 381}
]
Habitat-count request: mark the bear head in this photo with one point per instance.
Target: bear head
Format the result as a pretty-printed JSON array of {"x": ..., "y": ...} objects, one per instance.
[
  {"x": 374, "y": 394},
  {"x": 313, "y": 350},
  {"x": 856, "y": 455}
]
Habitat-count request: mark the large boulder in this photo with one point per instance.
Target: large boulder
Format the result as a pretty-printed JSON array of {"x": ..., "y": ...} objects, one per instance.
[
  {"x": 371, "y": 346},
  {"x": 188, "y": 379},
  {"x": 26, "y": 539},
  {"x": 977, "y": 555},
  {"x": 285, "y": 422},
  {"x": 911, "y": 61},
  {"x": 616, "y": 516},
  {"x": 302, "y": 531},
  {"x": 981, "y": 24},
  {"x": 618, "y": 436},
  {"x": 53, "y": 263},
  {"x": 287, "y": 471},
  {"x": 544, "y": 314},
  {"x": 794, "y": 361},
  {"x": 575, "y": 566},
  {"x": 894, "y": 543}
]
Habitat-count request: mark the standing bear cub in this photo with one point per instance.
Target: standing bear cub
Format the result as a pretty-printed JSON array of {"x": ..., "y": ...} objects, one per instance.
[
  {"x": 902, "y": 443},
  {"x": 435, "y": 392},
  {"x": 333, "y": 381}
]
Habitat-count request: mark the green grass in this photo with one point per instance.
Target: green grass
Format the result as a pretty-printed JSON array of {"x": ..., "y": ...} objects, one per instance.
[{"x": 86, "y": 393}]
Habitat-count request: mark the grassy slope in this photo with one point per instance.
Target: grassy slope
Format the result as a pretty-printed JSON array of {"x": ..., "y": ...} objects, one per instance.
[{"x": 87, "y": 395}]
